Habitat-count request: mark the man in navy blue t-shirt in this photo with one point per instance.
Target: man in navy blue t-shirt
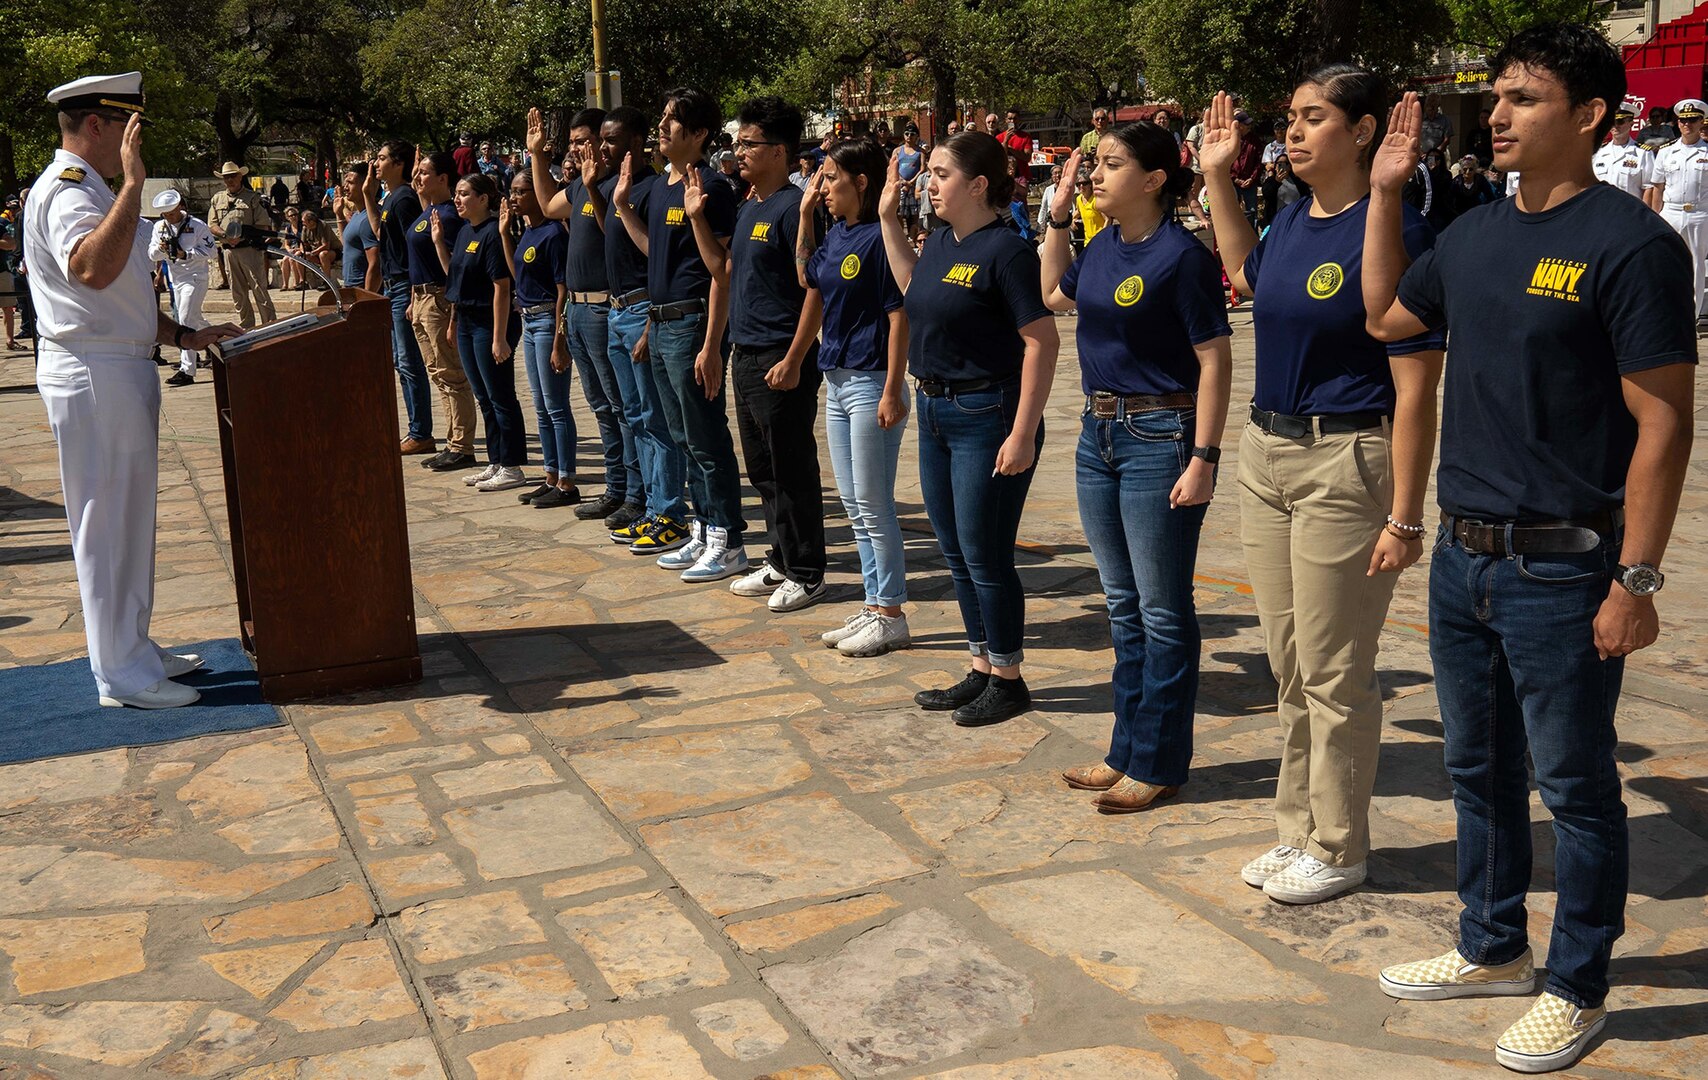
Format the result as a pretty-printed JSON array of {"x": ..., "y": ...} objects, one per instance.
[
  {"x": 430, "y": 310},
  {"x": 1566, "y": 431},
  {"x": 389, "y": 217}
]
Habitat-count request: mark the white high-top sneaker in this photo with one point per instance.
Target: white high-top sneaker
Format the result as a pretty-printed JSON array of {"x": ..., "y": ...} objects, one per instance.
[
  {"x": 719, "y": 560},
  {"x": 684, "y": 557}
]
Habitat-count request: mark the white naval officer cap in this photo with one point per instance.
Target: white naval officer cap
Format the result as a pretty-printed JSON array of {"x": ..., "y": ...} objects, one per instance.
[
  {"x": 119, "y": 92},
  {"x": 168, "y": 200},
  {"x": 1690, "y": 109}
]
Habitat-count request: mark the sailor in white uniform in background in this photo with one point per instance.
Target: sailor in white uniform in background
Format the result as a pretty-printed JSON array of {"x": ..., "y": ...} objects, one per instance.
[
  {"x": 98, "y": 318},
  {"x": 1681, "y": 182},
  {"x": 1623, "y": 162},
  {"x": 184, "y": 243}
]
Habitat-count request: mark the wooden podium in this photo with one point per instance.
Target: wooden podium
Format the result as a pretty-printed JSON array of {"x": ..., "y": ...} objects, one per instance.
[{"x": 314, "y": 491}]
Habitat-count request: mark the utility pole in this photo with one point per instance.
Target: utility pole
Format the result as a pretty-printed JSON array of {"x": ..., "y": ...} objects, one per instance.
[{"x": 602, "y": 92}]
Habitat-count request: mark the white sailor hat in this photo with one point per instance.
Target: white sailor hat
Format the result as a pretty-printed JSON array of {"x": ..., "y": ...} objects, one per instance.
[
  {"x": 1690, "y": 109},
  {"x": 120, "y": 92},
  {"x": 168, "y": 200}
]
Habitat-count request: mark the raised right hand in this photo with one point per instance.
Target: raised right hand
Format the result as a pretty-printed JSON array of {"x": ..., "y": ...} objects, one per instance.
[
  {"x": 889, "y": 200},
  {"x": 1221, "y": 142},
  {"x": 1396, "y": 158},
  {"x": 130, "y": 151},
  {"x": 625, "y": 182},
  {"x": 433, "y": 222},
  {"x": 371, "y": 183},
  {"x": 1061, "y": 201},
  {"x": 536, "y": 137},
  {"x": 813, "y": 197}
]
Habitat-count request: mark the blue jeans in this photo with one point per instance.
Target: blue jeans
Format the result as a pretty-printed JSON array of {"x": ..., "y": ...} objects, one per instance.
[
  {"x": 1513, "y": 646},
  {"x": 494, "y": 387},
  {"x": 551, "y": 396},
  {"x": 700, "y": 427},
  {"x": 863, "y": 456},
  {"x": 661, "y": 464},
  {"x": 976, "y": 515},
  {"x": 588, "y": 336},
  {"x": 1145, "y": 554},
  {"x": 411, "y": 369}
]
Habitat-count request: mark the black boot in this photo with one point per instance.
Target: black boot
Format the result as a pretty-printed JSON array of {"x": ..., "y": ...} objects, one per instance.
[
  {"x": 1003, "y": 699},
  {"x": 962, "y": 693}
]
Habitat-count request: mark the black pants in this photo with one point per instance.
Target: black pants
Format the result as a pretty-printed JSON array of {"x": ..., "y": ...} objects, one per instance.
[{"x": 778, "y": 441}]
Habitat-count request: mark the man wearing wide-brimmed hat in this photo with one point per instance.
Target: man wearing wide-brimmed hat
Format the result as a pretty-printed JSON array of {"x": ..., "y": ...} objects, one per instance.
[{"x": 233, "y": 215}]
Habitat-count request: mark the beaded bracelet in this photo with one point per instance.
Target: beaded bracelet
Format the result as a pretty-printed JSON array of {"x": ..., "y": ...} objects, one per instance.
[{"x": 1406, "y": 532}]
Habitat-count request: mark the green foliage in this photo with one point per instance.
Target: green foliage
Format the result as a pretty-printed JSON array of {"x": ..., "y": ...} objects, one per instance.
[{"x": 1488, "y": 23}]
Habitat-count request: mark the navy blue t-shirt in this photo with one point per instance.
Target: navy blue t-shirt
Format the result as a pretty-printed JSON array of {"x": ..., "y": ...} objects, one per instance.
[
  {"x": 477, "y": 260},
  {"x": 852, "y": 273},
  {"x": 967, "y": 301},
  {"x": 424, "y": 267},
  {"x": 584, "y": 263},
  {"x": 765, "y": 288},
  {"x": 1314, "y": 357},
  {"x": 398, "y": 212},
  {"x": 625, "y": 266},
  {"x": 540, "y": 257},
  {"x": 1546, "y": 312},
  {"x": 1142, "y": 309},
  {"x": 674, "y": 269}
]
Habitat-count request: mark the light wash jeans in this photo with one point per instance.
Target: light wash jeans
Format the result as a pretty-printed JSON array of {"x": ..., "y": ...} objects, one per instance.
[
  {"x": 863, "y": 456},
  {"x": 551, "y": 395}
]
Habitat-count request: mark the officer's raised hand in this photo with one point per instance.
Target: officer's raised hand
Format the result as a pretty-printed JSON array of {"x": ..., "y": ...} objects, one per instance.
[{"x": 130, "y": 153}]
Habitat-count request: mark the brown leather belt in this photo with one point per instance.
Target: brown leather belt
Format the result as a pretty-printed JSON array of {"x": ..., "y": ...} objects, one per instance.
[
  {"x": 1107, "y": 406},
  {"x": 1505, "y": 538},
  {"x": 427, "y": 290}
]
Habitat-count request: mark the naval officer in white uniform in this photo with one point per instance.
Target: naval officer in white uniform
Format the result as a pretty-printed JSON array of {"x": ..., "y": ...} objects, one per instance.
[
  {"x": 1681, "y": 181},
  {"x": 184, "y": 243},
  {"x": 98, "y": 320},
  {"x": 1624, "y": 163}
]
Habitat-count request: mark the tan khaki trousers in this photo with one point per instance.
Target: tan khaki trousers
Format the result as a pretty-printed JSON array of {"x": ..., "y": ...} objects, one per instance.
[
  {"x": 429, "y": 316},
  {"x": 247, "y": 268},
  {"x": 1310, "y": 512}
]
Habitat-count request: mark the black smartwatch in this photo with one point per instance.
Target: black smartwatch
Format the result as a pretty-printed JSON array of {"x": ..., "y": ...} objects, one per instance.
[
  {"x": 1640, "y": 579},
  {"x": 178, "y": 336},
  {"x": 1212, "y": 454}
]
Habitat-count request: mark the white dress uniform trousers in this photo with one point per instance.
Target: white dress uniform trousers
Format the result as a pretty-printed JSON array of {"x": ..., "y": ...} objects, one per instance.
[
  {"x": 103, "y": 402},
  {"x": 186, "y": 273},
  {"x": 1683, "y": 170}
]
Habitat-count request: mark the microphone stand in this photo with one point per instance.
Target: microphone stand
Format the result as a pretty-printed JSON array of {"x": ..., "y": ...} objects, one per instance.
[{"x": 313, "y": 268}]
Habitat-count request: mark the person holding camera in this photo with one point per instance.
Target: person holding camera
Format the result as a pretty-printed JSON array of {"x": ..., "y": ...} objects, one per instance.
[{"x": 184, "y": 244}]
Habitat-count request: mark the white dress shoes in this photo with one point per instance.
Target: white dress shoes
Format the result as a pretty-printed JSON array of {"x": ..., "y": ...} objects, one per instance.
[
  {"x": 177, "y": 664},
  {"x": 164, "y": 694}
]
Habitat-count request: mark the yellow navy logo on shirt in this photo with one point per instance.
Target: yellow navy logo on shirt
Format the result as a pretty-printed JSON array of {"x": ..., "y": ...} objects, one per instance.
[
  {"x": 761, "y": 232},
  {"x": 1557, "y": 279},
  {"x": 420, "y": 226},
  {"x": 528, "y": 256},
  {"x": 851, "y": 267},
  {"x": 1325, "y": 281},
  {"x": 1128, "y": 292},
  {"x": 961, "y": 274},
  {"x": 474, "y": 246},
  {"x": 586, "y": 209},
  {"x": 675, "y": 215}
]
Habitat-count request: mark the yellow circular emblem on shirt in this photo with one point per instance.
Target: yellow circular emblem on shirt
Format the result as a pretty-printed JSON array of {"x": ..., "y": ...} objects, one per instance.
[
  {"x": 851, "y": 267},
  {"x": 1128, "y": 292},
  {"x": 528, "y": 256},
  {"x": 1325, "y": 281},
  {"x": 421, "y": 226}
]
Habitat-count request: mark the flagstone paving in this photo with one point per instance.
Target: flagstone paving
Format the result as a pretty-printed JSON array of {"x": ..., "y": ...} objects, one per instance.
[{"x": 630, "y": 828}]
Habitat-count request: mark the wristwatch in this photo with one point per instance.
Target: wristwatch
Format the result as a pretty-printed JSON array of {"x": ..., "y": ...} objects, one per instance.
[
  {"x": 1212, "y": 454},
  {"x": 1640, "y": 579}
]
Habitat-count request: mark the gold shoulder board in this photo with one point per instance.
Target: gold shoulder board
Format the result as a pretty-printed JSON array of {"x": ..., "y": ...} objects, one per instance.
[{"x": 74, "y": 174}]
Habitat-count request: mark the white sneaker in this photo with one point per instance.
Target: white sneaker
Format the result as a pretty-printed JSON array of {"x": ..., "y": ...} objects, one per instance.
[
  {"x": 164, "y": 694},
  {"x": 719, "y": 560},
  {"x": 1268, "y": 864},
  {"x": 177, "y": 664},
  {"x": 504, "y": 476},
  {"x": 795, "y": 595},
  {"x": 876, "y": 636},
  {"x": 850, "y": 626},
  {"x": 689, "y": 554},
  {"x": 762, "y": 582},
  {"x": 1310, "y": 881},
  {"x": 487, "y": 473}
]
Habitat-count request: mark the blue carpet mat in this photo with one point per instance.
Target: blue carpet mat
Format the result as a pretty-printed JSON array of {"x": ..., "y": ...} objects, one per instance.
[{"x": 53, "y": 709}]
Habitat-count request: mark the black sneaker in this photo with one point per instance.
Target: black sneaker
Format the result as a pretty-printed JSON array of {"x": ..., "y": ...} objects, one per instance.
[
  {"x": 449, "y": 461},
  {"x": 530, "y": 496},
  {"x": 962, "y": 693},
  {"x": 602, "y": 507},
  {"x": 180, "y": 378},
  {"x": 1003, "y": 699},
  {"x": 558, "y": 497},
  {"x": 626, "y": 514}
]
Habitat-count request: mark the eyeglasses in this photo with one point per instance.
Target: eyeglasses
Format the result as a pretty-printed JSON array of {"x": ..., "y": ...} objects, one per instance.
[{"x": 753, "y": 144}]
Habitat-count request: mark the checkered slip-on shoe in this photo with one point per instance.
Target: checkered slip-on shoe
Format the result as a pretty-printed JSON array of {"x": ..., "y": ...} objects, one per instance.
[
  {"x": 1453, "y": 976},
  {"x": 1259, "y": 870},
  {"x": 1552, "y": 1035}
]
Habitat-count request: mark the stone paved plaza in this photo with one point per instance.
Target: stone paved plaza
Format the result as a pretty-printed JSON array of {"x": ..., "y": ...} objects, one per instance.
[{"x": 631, "y": 828}]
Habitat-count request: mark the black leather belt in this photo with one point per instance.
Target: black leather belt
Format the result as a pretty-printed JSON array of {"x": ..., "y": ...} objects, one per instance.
[
  {"x": 629, "y": 299},
  {"x": 681, "y": 309},
  {"x": 540, "y": 309},
  {"x": 589, "y": 297},
  {"x": 1105, "y": 405},
  {"x": 1504, "y": 538},
  {"x": 951, "y": 387},
  {"x": 1299, "y": 427},
  {"x": 427, "y": 290}
]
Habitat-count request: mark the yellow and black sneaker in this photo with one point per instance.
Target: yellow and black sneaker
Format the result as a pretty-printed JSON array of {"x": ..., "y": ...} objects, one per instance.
[
  {"x": 665, "y": 535},
  {"x": 634, "y": 530}
]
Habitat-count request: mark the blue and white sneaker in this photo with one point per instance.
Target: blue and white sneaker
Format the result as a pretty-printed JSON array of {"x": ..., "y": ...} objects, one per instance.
[{"x": 688, "y": 554}]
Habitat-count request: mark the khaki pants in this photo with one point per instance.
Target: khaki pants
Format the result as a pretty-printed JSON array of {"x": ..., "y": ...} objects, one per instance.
[
  {"x": 248, "y": 273},
  {"x": 1310, "y": 512},
  {"x": 429, "y": 315}
]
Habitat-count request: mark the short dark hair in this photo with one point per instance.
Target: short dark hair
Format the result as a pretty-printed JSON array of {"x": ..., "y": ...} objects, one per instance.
[
  {"x": 630, "y": 119},
  {"x": 695, "y": 110},
  {"x": 863, "y": 157},
  {"x": 1357, "y": 93},
  {"x": 399, "y": 150},
  {"x": 359, "y": 168},
  {"x": 443, "y": 164},
  {"x": 1152, "y": 146},
  {"x": 482, "y": 184},
  {"x": 72, "y": 119},
  {"x": 979, "y": 154},
  {"x": 591, "y": 119},
  {"x": 779, "y": 120},
  {"x": 1580, "y": 57}
]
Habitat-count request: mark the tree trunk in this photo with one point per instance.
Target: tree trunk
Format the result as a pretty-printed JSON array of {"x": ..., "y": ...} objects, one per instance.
[
  {"x": 233, "y": 144},
  {"x": 1336, "y": 36},
  {"x": 325, "y": 157},
  {"x": 943, "y": 105}
]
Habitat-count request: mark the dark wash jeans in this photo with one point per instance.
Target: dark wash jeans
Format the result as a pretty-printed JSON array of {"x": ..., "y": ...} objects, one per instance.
[
  {"x": 975, "y": 515},
  {"x": 494, "y": 387},
  {"x": 781, "y": 449},
  {"x": 1513, "y": 646},
  {"x": 700, "y": 427},
  {"x": 1145, "y": 555}
]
